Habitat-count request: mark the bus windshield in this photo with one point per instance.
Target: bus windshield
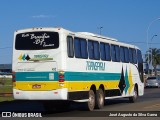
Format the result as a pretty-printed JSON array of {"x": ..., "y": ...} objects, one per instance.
[{"x": 37, "y": 40}]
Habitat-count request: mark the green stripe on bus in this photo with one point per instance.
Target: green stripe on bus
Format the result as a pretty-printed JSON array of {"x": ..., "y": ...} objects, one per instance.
[
  {"x": 68, "y": 76},
  {"x": 90, "y": 76}
]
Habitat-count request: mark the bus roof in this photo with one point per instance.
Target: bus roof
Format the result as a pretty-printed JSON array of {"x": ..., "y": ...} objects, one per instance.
[
  {"x": 96, "y": 35},
  {"x": 92, "y": 35}
]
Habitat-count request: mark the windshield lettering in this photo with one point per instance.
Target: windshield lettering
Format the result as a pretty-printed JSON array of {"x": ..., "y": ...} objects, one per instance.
[{"x": 40, "y": 40}]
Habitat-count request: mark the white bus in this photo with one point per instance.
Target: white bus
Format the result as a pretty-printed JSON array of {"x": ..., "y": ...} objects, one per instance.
[{"x": 55, "y": 64}]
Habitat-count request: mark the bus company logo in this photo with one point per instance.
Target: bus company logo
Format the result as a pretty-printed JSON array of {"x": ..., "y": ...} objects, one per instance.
[
  {"x": 97, "y": 66},
  {"x": 24, "y": 57}
]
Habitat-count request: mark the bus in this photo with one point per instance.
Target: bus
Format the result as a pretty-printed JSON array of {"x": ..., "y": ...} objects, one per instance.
[{"x": 55, "y": 64}]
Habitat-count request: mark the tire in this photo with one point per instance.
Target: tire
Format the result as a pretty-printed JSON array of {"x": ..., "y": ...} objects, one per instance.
[
  {"x": 99, "y": 99},
  {"x": 133, "y": 98},
  {"x": 91, "y": 102}
]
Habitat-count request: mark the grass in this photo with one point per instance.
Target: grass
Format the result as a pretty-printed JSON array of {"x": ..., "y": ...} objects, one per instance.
[
  {"x": 6, "y": 81},
  {"x": 6, "y": 98},
  {"x": 5, "y": 85},
  {"x": 5, "y": 88}
]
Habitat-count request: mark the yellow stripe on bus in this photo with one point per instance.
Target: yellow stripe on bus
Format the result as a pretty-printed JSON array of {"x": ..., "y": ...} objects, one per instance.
[{"x": 71, "y": 85}]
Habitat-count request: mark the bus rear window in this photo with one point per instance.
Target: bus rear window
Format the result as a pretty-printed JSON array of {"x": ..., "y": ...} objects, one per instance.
[{"x": 37, "y": 40}]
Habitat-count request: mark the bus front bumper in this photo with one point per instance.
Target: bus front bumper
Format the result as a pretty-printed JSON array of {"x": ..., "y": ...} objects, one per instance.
[{"x": 59, "y": 94}]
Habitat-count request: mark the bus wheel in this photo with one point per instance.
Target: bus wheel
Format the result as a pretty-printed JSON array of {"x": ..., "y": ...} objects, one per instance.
[
  {"x": 91, "y": 101},
  {"x": 135, "y": 95},
  {"x": 99, "y": 99}
]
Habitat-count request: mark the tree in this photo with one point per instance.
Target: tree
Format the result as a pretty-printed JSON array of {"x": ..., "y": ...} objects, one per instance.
[{"x": 154, "y": 56}]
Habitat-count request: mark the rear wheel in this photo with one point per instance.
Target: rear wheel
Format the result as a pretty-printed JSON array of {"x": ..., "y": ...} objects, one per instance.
[
  {"x": 91, "y": 102},
  {"x": 135, "y": 95},
  {"x": 99, "y": 99}
]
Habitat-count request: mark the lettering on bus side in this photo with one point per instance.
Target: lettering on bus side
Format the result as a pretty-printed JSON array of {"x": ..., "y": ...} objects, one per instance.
[
  {"x": 41, "y": 56},
  {"x": 98, "y": 66}
]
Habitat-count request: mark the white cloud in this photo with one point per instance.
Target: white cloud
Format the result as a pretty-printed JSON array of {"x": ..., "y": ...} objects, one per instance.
[{"x": 43, "y": 16}]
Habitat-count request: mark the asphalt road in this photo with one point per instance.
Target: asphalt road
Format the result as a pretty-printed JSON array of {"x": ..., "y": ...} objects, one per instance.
[{"x": 147, "y": 104}]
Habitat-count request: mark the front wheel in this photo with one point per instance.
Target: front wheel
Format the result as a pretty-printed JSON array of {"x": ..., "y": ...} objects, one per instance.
[
  {"x": 91, "y": 102},
  {"x": 133, "y": 98}
]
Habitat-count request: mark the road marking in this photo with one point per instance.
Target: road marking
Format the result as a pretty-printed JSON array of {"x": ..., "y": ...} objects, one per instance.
[{"x": 152, "y": 106}]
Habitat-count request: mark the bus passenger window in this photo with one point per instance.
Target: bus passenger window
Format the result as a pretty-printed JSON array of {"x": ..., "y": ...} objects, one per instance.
[
  {"x": 117, "y": 53},
  {"x": 126, "y": 51},
  {"x": 96, "y": 50},
  {"x": 108, "y": 52},
  {"x": 113, "y": 53},
  {"x": 90, "y": 49},
  {"x": 131, "y": 55},
  {"x": 122, "y": 54},
  {"x": 77, "y": 48},
  {"x": 70, "y": 50},
  {"x": 134, "y": 56},
  {"x": 84, "y": 53},
  {"x": 102, "y": 50}
]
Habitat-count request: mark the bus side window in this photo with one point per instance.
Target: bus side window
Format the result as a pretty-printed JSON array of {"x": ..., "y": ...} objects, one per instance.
[
  {"x": 126, "y": 51},
  {"x": 131, "y": 55},
  {"x": 117, "y": 53},
  {"x": 122, "y": 55},
  {"x": 84, "y": 53},
  {"x": 105, "y": 51},
  {"x": 80, "y": 46},
  {"x": 70, "y": 50},
  {"x": 77, "y": 48},
  {"x": 102, "y": 50},
  {"x": 108, "y": 52},
  {"x": 134, "y": 56},
  {"x": 113, "y": 53},
  {"x": 96, "y": 50},
  {"x": 90, "y": 49}
]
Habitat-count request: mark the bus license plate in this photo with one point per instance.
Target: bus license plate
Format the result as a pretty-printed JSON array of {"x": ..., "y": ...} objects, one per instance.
[{"x": 36, "y": 86}]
